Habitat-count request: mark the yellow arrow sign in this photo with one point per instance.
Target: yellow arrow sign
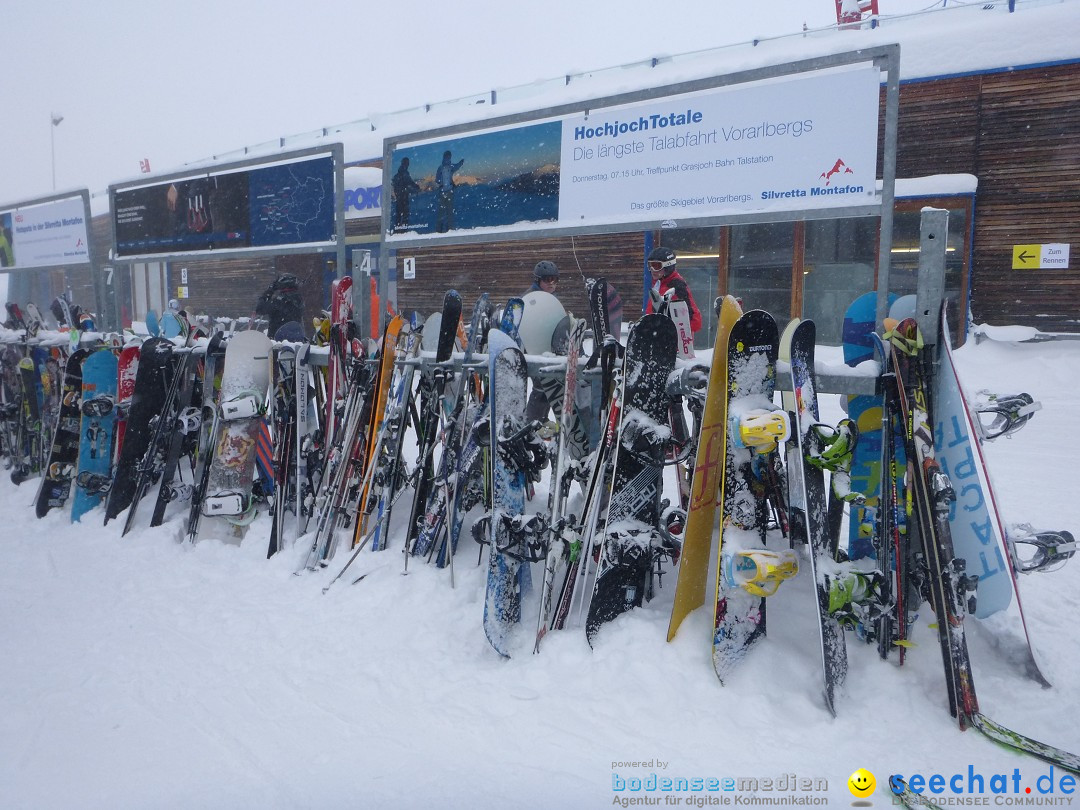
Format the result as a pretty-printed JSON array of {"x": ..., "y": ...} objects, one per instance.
[{"x": 1026, "y": 257}]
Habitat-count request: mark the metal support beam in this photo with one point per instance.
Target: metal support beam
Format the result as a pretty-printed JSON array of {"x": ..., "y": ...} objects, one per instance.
[{"x": 930, "y": 289}]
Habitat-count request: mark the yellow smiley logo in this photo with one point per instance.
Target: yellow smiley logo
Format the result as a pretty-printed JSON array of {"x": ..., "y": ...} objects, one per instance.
[{"x": 861, "y": 783}]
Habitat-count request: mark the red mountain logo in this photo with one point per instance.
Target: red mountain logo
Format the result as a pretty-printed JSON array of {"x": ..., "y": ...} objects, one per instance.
[{"x": 837, "y": 168}]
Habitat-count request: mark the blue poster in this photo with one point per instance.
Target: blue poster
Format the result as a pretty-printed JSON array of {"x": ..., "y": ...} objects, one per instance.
[{"x": 292, "y": 203}]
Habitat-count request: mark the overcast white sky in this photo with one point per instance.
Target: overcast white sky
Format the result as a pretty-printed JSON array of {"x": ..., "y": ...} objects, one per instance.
[{"x": 176, "y": 82}]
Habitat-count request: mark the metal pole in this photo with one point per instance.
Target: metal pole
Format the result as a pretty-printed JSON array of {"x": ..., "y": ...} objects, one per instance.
[
  {"x": 54, "y": 122},
  {"x": 930, "y": 290},
  {"x": 888, "y": 181}
]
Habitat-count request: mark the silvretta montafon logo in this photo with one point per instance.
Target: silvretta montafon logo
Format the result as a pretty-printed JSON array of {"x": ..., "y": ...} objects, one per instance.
[{"x": 838, "y": 168}]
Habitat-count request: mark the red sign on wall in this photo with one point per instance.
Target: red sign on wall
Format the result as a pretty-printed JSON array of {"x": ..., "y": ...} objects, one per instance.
[{"x": 851, "y": 13}]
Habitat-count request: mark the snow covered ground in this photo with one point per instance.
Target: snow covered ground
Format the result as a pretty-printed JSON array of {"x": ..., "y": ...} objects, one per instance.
[{"x": 144, "y": 672}]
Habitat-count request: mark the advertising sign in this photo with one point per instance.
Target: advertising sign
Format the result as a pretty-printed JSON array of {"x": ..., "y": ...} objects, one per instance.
[
  {"x": 800, "y": 142},
  {"x": 286, "y": 203},
  {"x": 363, "y": 192},
  {"x": 50, "y": 234}
]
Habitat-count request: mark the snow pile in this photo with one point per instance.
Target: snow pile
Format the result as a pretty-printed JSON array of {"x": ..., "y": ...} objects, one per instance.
[{"x": 144, "y": 672}]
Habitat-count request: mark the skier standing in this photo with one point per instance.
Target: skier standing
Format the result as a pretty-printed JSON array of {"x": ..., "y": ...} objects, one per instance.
[{"x": 666, "y": 277}]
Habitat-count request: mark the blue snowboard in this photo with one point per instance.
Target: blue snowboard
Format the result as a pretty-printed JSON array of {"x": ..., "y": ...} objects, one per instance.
[
  {"x": 95, "y": 445},
  {"x": 866, "y": 412}
]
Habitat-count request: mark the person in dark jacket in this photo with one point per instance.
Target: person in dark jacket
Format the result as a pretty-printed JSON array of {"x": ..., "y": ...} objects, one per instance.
[
  {"x": 662, "y": 262},
  {"x": 402, "y": 187},
  {"x": 281, "y": 302}
]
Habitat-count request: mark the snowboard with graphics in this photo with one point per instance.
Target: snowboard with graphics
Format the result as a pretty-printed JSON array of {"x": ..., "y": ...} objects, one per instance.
[
  {"x": 739, "y": 614},
  {"x": 508, "y": 574},
  {"x": 624, "y": 575},
  {"x": 98, "y": 427},
  {"x": 64, "y": 455},
  {"x": 147, "y": 400},
  {"x": 227, "y": 505}
]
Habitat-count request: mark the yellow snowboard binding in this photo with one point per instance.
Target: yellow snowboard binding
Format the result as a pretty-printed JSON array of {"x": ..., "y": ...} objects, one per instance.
[
  {"x": 758, "y": 570},
  {"x": 760, "y": 429}
]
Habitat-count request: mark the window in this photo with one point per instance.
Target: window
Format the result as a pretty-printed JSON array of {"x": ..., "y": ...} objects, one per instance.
[
  {"x": 838, "y": 266},
  {"x": 698, "y": 251},
  {"x": 760, "y": 267},
  {"x": 904, "y": 265}
]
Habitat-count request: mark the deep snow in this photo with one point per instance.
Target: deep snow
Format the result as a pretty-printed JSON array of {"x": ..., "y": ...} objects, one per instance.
[{"x": 144, "y": 672}]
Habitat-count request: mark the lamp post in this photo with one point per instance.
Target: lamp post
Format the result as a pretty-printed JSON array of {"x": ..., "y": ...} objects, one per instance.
[{"x": 56, "y": 119}]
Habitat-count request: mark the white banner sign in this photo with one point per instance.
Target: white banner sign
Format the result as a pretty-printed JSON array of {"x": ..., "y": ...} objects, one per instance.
[
  {"x": 796, "y": 143},
  {"x": 46, "y": 235}
]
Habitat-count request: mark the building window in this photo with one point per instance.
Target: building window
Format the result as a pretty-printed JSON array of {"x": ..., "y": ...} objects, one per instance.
[
  {"x": 904, "y": 264},
  {"x": 839, "y": 260},
  {"x": 698, "y": 251},
  {"x": 760, "y": 267}
]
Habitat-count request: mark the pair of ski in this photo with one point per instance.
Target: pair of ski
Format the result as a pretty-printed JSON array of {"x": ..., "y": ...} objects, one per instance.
[{"x": 911, "y": 381}]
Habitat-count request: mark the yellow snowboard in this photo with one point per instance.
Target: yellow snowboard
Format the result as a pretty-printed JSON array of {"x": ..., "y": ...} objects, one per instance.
[{"x": 707, "y": 478}]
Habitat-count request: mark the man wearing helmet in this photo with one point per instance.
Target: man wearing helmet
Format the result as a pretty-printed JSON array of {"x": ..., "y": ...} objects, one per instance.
[
  {"x": 545, "y": 277},
  {"x": 665, "y": 277}
]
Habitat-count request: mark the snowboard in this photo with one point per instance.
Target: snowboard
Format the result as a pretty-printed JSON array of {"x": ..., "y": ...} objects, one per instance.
[
  {"x": 624, "y": 575},
  {"x": 866, "y": 411},
  {"x": 29, "y": 439},
  {"x": 127, "y": 367},
  {"x": 978, "y": 531},
  {"x": 147, "y": 399},
  {"x": 810, "y": 480},
  {"x": 98, "y": 426},
  {"x": 64, "y": 455},
  {"x": 507, "y": 574},
  {"x": 738, "y": 614},
  {"x": 227, "y": 505},
  {"x": 707, "y": 479},
  {"x": 180, "y": 430}
]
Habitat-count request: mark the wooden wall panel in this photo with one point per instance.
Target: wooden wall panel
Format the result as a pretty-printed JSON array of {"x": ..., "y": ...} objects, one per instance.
[
  {"x": 1029, "y": 193},
  {"x": 504, "y": 270}
]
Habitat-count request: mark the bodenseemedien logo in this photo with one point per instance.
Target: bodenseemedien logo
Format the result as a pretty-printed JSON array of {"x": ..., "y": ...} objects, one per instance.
[{"x": 785, "y": 790}]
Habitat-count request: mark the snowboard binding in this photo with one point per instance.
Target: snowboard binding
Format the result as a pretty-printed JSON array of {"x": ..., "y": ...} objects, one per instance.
[
  {"x": 522, "y": 448},
  {"x": 758, "y": 571},
  {"x": 520, "y": 537},
  {"x": 97, "y": 407},
  {"x": 93, "y": 483},
  {"x": 760, "y": 429},
  {"x": 245, "y": 406},
  {"x": 1003, "y": 416},
  {"x": 1041, "y": 552},
  {"x": 223, "y": 504}
]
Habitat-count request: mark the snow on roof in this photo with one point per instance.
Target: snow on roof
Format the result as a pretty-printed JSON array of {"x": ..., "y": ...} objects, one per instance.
[{"x": 955, "y": 40}]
